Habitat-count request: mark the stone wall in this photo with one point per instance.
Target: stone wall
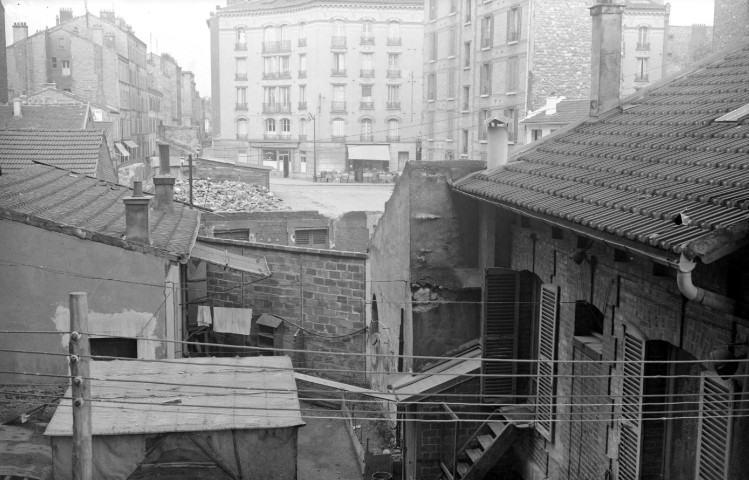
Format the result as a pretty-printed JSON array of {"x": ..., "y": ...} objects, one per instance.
[
  {"x": 731, "y": 22},
  {"x": 319, "y": 293},
  {"x": 219, "y": 171}
]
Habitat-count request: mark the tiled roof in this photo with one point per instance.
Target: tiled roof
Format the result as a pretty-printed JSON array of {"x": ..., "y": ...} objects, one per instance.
[
  {"x": 45, "y": 117},
  {"x": 568, "y": 111},
  {"x": 76, "y": 150},
  {"x": 80, "y": 205},
  {"x": 270, "y": 5},
  {"x": 629, "y": 173}
]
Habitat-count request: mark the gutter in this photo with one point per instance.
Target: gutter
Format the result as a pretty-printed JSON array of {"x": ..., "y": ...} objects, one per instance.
[{"x": 698, "y": 295}]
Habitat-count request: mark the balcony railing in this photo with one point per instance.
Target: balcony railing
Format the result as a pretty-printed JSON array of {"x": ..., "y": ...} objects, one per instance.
[
  {"x": 366, "y": 73},
  {"x": 643, "y": 46},
  {"x": 240, "y": 76},
  {"x": 394, "y": 73},
  {"x": 277, "y": 46},
  {"x": 240, "y": 46},
  {"x": 241, "y": 106},
  {"x": 284, "y": 75},
  {"x": 338, "y": 138},
  {"x": 302, "y": 42},
  {"x": 366, "y": 137},
  {"x": 394, "y": 42},
  {"x": 393, "y": 138},
  {"x": 338, "y": 72},
  {"x": 393, "y": 105},
  {"x": 276, "y": 108},
  {"x": 271, "y": 136},
  {"x": 367, "y": 40},
  {"x": 302, "y": 106},
  {"x": 338, "y": 107},
  {"x": 338, "y": 42},
  {"x": 366, "y": 105},
  {"x": 276, "y": 75},
  {"x": 641, "y": 78},
  {"x": 302, "y": 73}
]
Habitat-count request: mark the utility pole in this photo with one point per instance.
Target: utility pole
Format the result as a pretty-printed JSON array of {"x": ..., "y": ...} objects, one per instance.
[
  {"x": 314, "y": 146},
  {"x": 79, "y": 372},
  {"x": 189, "y": 165}
]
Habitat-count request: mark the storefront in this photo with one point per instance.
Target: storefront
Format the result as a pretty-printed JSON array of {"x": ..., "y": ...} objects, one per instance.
[
  {"x": 279, "y": 157},
  {"x": 362, "y": 159}
]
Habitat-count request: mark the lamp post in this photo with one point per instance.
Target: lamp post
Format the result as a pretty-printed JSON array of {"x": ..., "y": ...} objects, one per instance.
[{"x": 314, "y": 146}]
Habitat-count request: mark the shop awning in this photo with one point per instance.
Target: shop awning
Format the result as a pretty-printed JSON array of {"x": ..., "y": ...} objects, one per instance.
[
  {"x": 369, "y": 152},
  {"x": 254, "y": 265},
  {"x": 123, "y": 151},
  {"x": 131, "y": 144}
]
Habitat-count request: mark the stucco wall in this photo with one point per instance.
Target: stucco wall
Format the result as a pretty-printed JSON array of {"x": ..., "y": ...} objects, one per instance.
[{"x": 40, "y": 268}]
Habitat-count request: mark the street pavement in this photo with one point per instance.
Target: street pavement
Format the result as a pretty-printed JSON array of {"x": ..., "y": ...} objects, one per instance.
[{"x": 332, "y": 199}]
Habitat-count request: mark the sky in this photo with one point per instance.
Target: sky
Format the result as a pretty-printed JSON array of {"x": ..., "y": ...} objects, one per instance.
[{"x": 178, "y": 27}]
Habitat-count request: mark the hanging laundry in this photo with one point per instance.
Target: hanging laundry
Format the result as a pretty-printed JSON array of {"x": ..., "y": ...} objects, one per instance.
[{"x": 232, "y": 320}]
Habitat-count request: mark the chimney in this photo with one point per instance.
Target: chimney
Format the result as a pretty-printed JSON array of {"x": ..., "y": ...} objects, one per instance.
[
  {"x": 163, "y": 183},
  {"x": 66, "y": 14},
  {"x": 17, "y": 113},
  {"x": 551, "y": 104},
  {"x": 136, "y": 215},
  {"x": 20, "y": 31},
  {"x": 497, "y": 137},
  {"x": 107, "y": 15},
  {"x": 97, "y": 35},
  {"x": 606, "y": 56}
]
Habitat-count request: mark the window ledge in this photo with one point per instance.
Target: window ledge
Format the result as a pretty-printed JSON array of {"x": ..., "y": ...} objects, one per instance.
[
  {"x": 449, "y": 140},
  {"x": 514, "y": 42},
  {"x": 465, "y": 111},
  {"x": 485, "y": 95},
  {"x": 511, "y": 93},
  {"x": 482, "y": 141},
  {"x": 465, "y": 24},
  {"x": 453, "y": 13},
  {"x": 485, "y": 49},
  {"x": 432, "y": 61},
  {"x": 430, "y": 100},
  {"x": 466, "y": 67},
  {"x": 430, "y": 139},
  {"x": 450, "y": 99},
  {"x": 450, "y": 56}
]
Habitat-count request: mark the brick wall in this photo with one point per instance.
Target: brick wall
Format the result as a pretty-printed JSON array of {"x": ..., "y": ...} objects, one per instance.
[{"x": 318, "y": 292}]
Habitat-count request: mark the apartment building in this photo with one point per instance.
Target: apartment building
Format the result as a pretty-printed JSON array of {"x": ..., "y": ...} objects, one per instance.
[
  {"x": 645, "y": 35},
  {"x": 343, "y": 76},
  {"x": 165, "y": 75},
  {"x": 497, "y": 59}
]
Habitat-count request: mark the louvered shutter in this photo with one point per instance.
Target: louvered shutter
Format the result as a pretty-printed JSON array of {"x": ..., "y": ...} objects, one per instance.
[
  {"x": 547, "y": 339},
  {"x": 499, "y": 336},
  {"x": 714, "y": 429},
  {"x": 632, "y": 383}
]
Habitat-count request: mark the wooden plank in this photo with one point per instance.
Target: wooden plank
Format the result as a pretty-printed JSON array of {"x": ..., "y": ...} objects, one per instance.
[
  {"x": 497, "y": 427},
  {"x": 446, "y": 471},
  {"x": 344, "y": 387},
  {"x": 474, "y": 454},
  {"x": 485, "y": 441},
  {"x": 463, "y": 468},
  {"x": 354, "y": 441}
]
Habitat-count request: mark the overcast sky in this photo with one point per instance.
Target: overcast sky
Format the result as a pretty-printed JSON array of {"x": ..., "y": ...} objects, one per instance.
[{"x": 178, "y": 27}]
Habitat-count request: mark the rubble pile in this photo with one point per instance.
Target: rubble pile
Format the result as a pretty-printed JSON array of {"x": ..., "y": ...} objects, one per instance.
[{"x": 228, "y": 196}]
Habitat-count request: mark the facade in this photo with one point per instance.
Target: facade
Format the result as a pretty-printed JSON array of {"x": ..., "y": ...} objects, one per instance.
[
  {"x": 3, "y": 58},
  {"x": 343, "y": 80},
  {"x": 687, "y": 45},
  {"x": 645, "y": 35},
  {"x": 731, "y": 22},
  {"x": 483, "y": 59},
  {"x": 165, "y": 75}
]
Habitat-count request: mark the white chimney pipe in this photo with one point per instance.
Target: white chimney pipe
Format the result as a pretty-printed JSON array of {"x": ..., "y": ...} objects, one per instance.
[
  {"x": 497, "y": 137},
  {"x": 17, "y": 112}
]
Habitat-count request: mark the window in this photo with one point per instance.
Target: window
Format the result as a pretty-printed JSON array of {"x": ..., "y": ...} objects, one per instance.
[
  {"x": 339, "y": 128},
  {"x": 394, "y": 100},
  {"x": 536, "y": 134},
  {"x": 512, "y": 128},
  {"x": 284, "y": 65},
  {"x": 242, "y": 95},
  {"x": 242, "y": 128},
  {"x": 430, "y": 126},
  {"x": 433, "y": 43},
  {"x": 339, "y": 93},
  {"x": 394, "y": 61},
  {"x": 113, "y": 347},
  {"x": 303, "y": 128},
  {"x": 451, "y": 46},
  {"x": 467, "y": 8},
  {"x": 512, "y": 74},
  {"x": 487, "y": 31},
  {"x": 632, "y": 389},
  {"x": 640, "y": 76},
  {"x": 713, "y": 442},
  {"x": 303, "y": 94},
  {"x": 467, "y": 54},
  {"x": 284, "y": 31},
  {"x": 302, "y": 64},
  {"x": 54, "y": 62},
  {"x": 285, "y": 126},
  {"x": 451, "y": 76},
  {"x": 366, "y": 97},
  {"x": 284, "y": 96},
  {"x": 339, "y": 63},
  {"x": 643, "y": 43},
  {"x": 486, "y": 78},
  {"x": 366, "y": 129},
  {"x": 241, "y": 65},
  {"x": 270, "y": 125},
  {"x": 62, "y": 43},
  {"x": 453, "y": 6},
  {"x": 339, "y": 28},
  {"x": 432, "y": 9},
  {"x": 269, "y": 94},
  {"x": 270, "y": 66},
  {"x": 367, "y": 64},
  {"x": 466, "y": 97},
  {"x": 431, "y": 86},
  {"x": 374, "y": 326},
  {"x": 66, "y": 68},
  {"x": 269, "y": 34},
  {"x": 483, "y": 116},
  {"x": 464, "y": 139},
  {"x": 241, "y": 38},
  {"x": 394, "y": 35},
  {"x": 513, "y": 24},
  {"x": 450, "y": 134},
  {"x": 547, "y": 340},
  {"x": 394, "y": 127},
  {"x": 366, "y": 28},
  {"x": 311, "y": 236}
]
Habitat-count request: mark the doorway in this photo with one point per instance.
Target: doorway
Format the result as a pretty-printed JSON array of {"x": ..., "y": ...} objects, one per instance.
[{"x": 283, "y": 157}]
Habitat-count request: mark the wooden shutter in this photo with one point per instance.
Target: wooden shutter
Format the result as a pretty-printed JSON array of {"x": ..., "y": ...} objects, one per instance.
[
  {"x": 499, "y": 336},
  {"x": 714, "y": 428},
  {"x": 632, "y": 383},
  {"x": 547, "y": 340}
]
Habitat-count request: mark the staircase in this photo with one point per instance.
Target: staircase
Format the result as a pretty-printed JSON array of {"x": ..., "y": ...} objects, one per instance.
[{"x": 482, "y": 450}]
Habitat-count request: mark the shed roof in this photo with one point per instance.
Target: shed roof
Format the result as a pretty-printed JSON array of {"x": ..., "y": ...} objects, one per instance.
[
  {"x": 624, "y": 176},
  {"x": 188, "y": 395},
  {"x": 76, "y": 150},
  {"x": 61, "y": 200},
  {"x": 437, "y": 378},
  {"x": 567, "y": 111},
  {"x": 46, "y": 117}
]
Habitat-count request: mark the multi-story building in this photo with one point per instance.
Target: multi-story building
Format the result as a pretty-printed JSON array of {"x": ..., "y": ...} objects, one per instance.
[
  {"x": 98, "y": 58},
  {"x": 342, "y": 76},
  {"x": 3, "y": 59},
  {"x": 188, "y": 99},
  {"x": 731, "y": 22},
  {"x": 165, "y": 75},
  {"x": 500, "y": 58},
  {"x": 687, "y": 44},
  {"x": 645, "y": 26}
]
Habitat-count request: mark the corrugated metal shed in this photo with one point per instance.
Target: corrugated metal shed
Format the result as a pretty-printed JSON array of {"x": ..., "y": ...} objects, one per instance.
[{"x": 190, "y": 395}]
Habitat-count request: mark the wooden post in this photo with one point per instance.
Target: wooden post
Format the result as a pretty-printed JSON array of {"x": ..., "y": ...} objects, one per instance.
[
  {"x": 189, "y": 160},
  {"x": 79, "y": 372}
]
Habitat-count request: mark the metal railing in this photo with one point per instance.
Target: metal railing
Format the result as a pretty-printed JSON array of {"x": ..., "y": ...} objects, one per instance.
[
  {"x": 240, "y": 106},
  {"x": 276, "y": 108},
  {"x": 240, "y": 46},
  {"x": 393, "y": 138},
  {"x": 394, "y": 73},
  {"x": 337, "y": 72},
  {"x": 302, "y": 73},
  {"x": 366, "y": 73},
  {"x": 643, "y": 46},
  {"x": 302, "y": 106},
  {"x": 366, "y": 105},
  {"x": 277, "y": 46},
  {"x": 367, "y": 40},
  {"x": 393, "y": 105},
  {"x": 366, "y": 137},
  {"x": 302, "y": 42},
  {"x": 394, "y": 41},
  {"x": 338, "y": 42},
  {"x": 338, "y": 107},
  {"x": 240, "y": 76}
]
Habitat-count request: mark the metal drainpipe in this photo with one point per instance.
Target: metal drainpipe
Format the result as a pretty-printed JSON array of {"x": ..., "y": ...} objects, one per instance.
[{"x": 696, "y": 294}]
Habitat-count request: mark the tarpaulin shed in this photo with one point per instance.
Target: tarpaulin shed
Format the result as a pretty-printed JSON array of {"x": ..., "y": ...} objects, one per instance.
[{"x": 189, "y": 418}]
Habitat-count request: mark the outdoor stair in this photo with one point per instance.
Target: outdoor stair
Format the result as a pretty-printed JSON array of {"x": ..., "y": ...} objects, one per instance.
[{"x": 490, "y": 441}]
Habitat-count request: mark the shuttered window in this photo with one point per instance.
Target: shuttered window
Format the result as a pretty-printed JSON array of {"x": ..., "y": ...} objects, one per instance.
[
  {"x": 547, "y": 338},
  {"x": 713, "y": 445},
  {"x": 499, "y": 336},
  {"x": 632, "y": 385},
  {"x": 311, "y": 237}
]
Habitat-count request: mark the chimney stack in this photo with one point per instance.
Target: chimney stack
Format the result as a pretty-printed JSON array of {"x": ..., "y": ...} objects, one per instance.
[
  {"x": 163, "y": 183},
  {"x": 497, "y": 136},
  {"x": 17, "y": 112},
  {"x": 20, "y": 31},
  {"x": 551, "y": 104},
  {"x": 136, "y": 215},
  {"x": 66, "y": 14},
  {"x": 606, "y": 56}
]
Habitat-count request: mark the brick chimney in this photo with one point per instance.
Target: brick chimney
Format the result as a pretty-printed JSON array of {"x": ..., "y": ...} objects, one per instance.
[
  {"x": 163, "y": 183},
  {"x": 17, "y": 111},
  {"x": 66, "y": 14},
  {"x": 136, "y": 215},
  {"x": 20, "y": 31},
  {"x": 606, "y": 56}
]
